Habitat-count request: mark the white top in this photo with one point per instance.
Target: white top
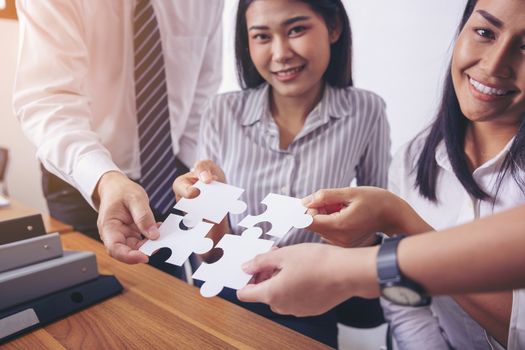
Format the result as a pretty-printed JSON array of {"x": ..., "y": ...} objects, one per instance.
[
  {"x": 345, "y": 137},
  {"x": 517, "y": 322},
  {"x": 444, "y": 323},
  {"x": 74, "y": 90}
]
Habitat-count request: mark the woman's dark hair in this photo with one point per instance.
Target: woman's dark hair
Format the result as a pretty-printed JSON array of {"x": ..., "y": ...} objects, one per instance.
[
  {"x": 339, "y": 71},
  {"x": 450, "y": 125}
]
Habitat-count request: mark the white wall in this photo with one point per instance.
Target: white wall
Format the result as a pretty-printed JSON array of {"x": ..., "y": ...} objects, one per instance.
[{"x": 401, "y": 49}]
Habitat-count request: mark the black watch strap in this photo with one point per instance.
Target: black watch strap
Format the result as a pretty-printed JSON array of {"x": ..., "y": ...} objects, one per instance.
[
  {"x": 389, "y": 274},
  {"x": 387, "y": 268}
]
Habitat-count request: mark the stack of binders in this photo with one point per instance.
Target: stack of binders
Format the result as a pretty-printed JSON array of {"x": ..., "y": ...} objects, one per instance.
[{"x": 39, "y": 282}]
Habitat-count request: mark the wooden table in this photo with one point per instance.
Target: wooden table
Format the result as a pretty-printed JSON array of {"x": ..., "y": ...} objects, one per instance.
[
  {"x": 157, "y": 311},
  {"x": 17, "y": 209}
]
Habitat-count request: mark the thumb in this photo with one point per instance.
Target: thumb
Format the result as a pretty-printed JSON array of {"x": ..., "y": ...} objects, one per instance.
[
  {"x": 328, "y": 197},
  {"x": 263, "y": 262},
  {"x": 143, "y": 217},
  {"x": 255, "y": 293}
]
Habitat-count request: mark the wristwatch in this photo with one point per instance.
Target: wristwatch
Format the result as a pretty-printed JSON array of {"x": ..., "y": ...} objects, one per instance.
[{"x": 395, "y": 287}]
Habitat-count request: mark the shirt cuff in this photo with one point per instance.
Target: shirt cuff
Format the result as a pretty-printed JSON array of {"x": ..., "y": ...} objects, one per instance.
[{"x": 88, "y": 171}]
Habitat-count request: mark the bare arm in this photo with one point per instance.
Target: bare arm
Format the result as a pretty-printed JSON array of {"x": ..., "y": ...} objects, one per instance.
[{"x": 483, "y": 256}]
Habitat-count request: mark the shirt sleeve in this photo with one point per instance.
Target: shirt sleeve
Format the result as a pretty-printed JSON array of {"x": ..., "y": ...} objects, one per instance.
[
  {"x": 210, "y": 77},
  {"x": 517, "y": 321},
  {"x": 372, "y": 169},
  {"x": 209, "y": 135},
  {"x": 50, "y": 99},
  {"x": 412, "y": 327}
]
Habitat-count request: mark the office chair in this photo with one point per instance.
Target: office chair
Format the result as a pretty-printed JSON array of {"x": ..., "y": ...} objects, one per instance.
[{"x": 4, "y": 159}]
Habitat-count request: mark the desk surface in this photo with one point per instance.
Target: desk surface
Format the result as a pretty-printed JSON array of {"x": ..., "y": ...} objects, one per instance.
[
  {"x": 17, "y": 209},
  {"x": 157, "y": 311}
]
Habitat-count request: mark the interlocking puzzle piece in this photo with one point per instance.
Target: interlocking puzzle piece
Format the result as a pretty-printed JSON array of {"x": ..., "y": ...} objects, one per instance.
[
  {"x": 213, "y": 203},
  {"x": 282, "y": 212},
  {"x": 227, "y": 271},
  {"x": 181, "y": 242}
]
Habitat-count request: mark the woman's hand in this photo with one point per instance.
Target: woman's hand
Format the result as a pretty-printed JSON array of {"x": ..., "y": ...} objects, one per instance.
[
  {"x": 206, "y": 171},
  {"x": 350, "y": 217},
  {"x": 309, "y": 279}
]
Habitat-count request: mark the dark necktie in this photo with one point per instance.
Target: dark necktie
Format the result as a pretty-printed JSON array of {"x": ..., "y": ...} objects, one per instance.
[{"x": 158, "y": 163}]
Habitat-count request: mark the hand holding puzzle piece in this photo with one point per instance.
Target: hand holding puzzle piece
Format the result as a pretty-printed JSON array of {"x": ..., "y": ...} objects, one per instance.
[{"x": 213, "y": 203}]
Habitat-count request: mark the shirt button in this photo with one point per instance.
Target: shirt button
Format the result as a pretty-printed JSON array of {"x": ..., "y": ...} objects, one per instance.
[{"x": 285, "y": 189}]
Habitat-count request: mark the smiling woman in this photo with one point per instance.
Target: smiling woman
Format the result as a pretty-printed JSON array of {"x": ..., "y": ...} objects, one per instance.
[
  {"x": 470, "y": 163},
  {"x": 298, "y": 125}
]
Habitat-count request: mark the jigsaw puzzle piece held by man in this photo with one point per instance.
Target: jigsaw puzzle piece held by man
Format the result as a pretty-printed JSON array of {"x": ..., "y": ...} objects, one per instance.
[
  {"x": 282, "y": 212},
  {"x": 181, "y": 242},
  {"x": 227, "y": 271},
  {"x": 213, "y": 203}
]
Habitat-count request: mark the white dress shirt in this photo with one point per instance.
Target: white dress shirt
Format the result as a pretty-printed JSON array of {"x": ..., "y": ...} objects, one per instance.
[
  {"x": 74, "y": 90},
  {"x": 444, "y": 324},
  {"x": 345, "y": 137}
]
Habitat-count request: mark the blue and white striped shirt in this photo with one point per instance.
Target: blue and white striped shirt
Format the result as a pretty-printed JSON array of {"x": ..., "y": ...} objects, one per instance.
[{"x": 346, "y": 136}]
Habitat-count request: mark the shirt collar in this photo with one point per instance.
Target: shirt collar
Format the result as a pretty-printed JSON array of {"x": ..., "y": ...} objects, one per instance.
[
  {"x": 443, "y": 160},
  {"x": 258, "y": 106}
]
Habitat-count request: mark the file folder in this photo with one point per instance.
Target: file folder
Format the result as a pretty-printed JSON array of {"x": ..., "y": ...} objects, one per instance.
[
  {"x": 21, "y": 228},
  {"x": 33, "y": 281},
  {"x": 39, "y": 312},
  {"x": 29, "y": 251}
]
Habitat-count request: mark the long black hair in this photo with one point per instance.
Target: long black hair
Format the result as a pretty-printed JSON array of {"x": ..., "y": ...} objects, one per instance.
[
  {"x": 339, "y": 71},
  {"x": 450, "y": 125}
]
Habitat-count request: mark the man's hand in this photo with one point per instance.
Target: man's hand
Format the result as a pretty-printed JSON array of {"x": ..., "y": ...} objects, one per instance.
[
  {"x": 309, "y": 279},
  {"x": 350, "y": 217},
  {"x": 124, "y": 216}
]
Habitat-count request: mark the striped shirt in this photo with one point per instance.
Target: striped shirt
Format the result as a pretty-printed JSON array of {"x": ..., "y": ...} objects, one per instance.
[{"x": 345, "y": 137}]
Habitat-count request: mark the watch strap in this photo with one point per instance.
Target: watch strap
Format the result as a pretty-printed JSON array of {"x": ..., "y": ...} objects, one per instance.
[{"x": 387, "y": 268}]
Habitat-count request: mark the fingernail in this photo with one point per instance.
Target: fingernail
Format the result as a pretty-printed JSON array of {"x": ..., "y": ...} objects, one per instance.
[
  {"x": 246, "y": 266},
  {"x": 205, "y": 176},
  {"x": 153, "y": 232},
  {"x": 308, "y": 200}
]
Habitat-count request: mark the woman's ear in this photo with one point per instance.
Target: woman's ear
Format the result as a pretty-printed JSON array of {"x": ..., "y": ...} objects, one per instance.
[{"x": 335, "y": 31}]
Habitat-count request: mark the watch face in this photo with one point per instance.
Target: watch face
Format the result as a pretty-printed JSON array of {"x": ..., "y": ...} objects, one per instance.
[{"x": 402, "y": 295}]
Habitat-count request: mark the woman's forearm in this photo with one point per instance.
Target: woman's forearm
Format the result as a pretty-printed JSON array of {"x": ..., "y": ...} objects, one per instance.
[{"x": 485, "y": 255}]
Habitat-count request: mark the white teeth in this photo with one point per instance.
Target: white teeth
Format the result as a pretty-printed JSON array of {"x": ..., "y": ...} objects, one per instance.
[
  {"x": 486, "y": 89},
  {"x": 289, "y": 72}
]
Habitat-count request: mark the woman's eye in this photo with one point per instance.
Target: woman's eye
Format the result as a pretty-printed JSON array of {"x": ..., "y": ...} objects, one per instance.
[
  {"x": 485, "y": 33},
  {"x": 297, "y": 30},
  {"x": 261, "y": 37}
]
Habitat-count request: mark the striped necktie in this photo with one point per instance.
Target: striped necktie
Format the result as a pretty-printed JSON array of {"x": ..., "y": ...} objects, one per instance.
[{"x": 158, "y": 163}]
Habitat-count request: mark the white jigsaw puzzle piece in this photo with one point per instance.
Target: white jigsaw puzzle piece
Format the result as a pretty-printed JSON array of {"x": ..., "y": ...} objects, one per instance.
[
  {"x": 181, "y": 242},
  {"x": 213, "y": 203},
  {"x": 227, "y": 271},
  {"x": 282, "y": 212}
]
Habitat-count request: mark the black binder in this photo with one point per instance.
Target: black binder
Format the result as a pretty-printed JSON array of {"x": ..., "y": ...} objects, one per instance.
[
  {"x": 22, "y": 318},
  {"x": 21, "y": 228}
]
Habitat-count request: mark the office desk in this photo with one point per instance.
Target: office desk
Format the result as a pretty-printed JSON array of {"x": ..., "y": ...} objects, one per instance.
[
  {"x": 157, "y": 311},
  {"x": 17, "y": 209}
]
